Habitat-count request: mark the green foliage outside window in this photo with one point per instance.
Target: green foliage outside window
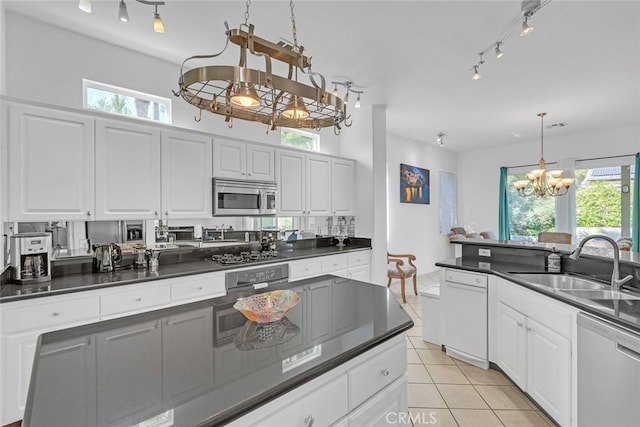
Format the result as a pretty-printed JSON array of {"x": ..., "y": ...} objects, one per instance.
[
  {"x": 294, "y": 139},
  {"x": 530, "y": 215}
]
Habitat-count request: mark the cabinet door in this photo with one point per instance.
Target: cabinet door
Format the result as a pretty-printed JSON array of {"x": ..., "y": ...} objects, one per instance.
[
  {"x": 229, "y": 159},
  {"x": 342, "y": 187},
  {"x": 127, "y": 171},
  {"x": 187, "y": 355},
  {"x": 290, "y": 176},
  {"x": 511, "y": 343},
  {"x": 129, "y": 373},
  {"x": 261, "y": 163},
  {"x": 319, "y": 317},
  {"x": 73, "y": 402},
  {"x": 549, "y": 371},
  {"x": 51, "y": 163},
  {"x": 361, "y": 273},
  {"x": 186, "y": 175},
  {"x": 383, "y": 409},
  {"x": 318, "y": 186},
  {"x": 18, "y": 353}
]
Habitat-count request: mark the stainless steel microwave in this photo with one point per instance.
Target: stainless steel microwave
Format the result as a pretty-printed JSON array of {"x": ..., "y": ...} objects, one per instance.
[{"x": 233, "y": 197}]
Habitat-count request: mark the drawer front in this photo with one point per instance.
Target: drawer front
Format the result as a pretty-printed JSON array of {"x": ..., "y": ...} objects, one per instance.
[
  {"x": 465, "y": 278},
  {"x": 135, "y": 300},
  {"x": 189, "y": 289},
  {"x": 359, "y": 258},
  {"x": 321, "y": 407},
  {"x": 334, "y": 263},
  {"x": 301, "y": 269},
  {"x": 376, "y": 373},
  {"x": 49, "y": 315}
]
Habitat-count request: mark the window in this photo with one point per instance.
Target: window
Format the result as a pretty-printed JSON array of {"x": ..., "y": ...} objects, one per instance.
[
  {"x": 603, "y": 202},
  {"x": 300, "y": 139},
  {"x": 126, "y": 102}
]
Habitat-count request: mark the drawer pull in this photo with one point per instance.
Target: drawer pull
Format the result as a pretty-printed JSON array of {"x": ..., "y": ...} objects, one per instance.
[
  {"x": 55, "y": 314},
  {"x": 385, "y": 372},
  {"x": 139, "y": 299},
  {"x": 308, "y": 421},
  {"x": 528, "y": 329},
  {"x": 199, "y": 288},
  {"x": 519, "y": 324}
]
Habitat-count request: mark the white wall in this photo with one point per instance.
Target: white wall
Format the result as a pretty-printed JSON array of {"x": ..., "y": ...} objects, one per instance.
[
  {"x": 47, "y": 64},
  {"x": 415, "y": 228},
  {"x": 478, "y": 171}
]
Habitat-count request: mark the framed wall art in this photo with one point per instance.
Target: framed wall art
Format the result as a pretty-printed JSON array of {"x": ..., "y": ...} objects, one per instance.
[{"x": 414, "y": 185}]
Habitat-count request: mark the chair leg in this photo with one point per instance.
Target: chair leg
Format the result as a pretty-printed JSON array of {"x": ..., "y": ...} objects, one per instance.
[
  {"x": 415, "y": 284},
  {"x": 404, "y": 298},
  {"x": 389, "y": 282}
]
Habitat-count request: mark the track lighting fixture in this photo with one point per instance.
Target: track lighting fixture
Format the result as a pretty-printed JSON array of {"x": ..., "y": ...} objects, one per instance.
[
  {"x": 123, "y": 13},
  {"x": 85, "y": 5},
  {"x": 440, "y": 139},
  {"x": 349, "y": 86},
  {"x": 499, "y": 53},
  {"x": 476, "y": 74},
  {"x": 527, "y": 9},
  {"x": 526, "y": 28}
]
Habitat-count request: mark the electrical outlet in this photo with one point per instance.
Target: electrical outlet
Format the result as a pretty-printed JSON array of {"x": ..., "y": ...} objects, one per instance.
[
  {"x": 484, "y": 252},
  {"x": 484, "y": 265}
]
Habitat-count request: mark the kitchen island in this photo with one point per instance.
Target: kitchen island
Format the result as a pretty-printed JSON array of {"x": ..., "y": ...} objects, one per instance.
[{"x": 205, "y": 364}]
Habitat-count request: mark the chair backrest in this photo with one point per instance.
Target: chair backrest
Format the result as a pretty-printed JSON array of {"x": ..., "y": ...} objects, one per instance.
[
  {"x": 554, "y": 237},
  {"x": 458, "y": 230}
]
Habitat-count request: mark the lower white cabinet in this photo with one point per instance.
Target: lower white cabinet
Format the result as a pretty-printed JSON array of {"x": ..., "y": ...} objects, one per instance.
[
  {"x": 531, "y": 341},
  {"x": 369, "y": 390},
  {"x": 133, "y": 299},
  {"x": 197, "y": 287},
  {"x": 352, "y": 265}
]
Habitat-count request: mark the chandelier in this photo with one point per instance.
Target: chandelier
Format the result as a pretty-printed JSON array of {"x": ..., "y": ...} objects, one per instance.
[
  {"x": 541, "y": 182},
  {"x": 240, "y": 92}
]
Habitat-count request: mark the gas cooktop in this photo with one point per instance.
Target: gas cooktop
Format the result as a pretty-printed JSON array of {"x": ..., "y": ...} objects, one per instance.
[{"x": 244, "y": 257}]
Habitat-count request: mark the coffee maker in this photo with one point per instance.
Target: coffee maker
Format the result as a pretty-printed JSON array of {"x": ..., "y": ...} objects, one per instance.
[
  {"x": 106, "y": 257},
  {"x": 30, "y": 257}
]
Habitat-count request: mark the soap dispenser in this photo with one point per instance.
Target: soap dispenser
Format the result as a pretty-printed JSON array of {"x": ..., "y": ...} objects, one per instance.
[{"x": 554, "y": 264}]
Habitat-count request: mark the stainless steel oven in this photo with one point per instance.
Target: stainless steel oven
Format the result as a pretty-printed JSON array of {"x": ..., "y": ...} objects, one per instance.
[{"x": 243, "y": 198}]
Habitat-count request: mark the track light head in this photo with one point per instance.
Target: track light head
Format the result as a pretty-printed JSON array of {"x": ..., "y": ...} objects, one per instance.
[
  {"x": 440, "y": 139},
  {"x": 85, "y": 5},
  {"x": 499, "y": 52},
  {"x": 123, "y": 14},
  {"x": 357, "y": 104},
  {"x": 526, "y": 28},
  {"x": 476, "y": 74}
]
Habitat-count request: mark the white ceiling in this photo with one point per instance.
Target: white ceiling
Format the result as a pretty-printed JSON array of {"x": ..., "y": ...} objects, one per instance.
[{"x": 581, "y": 64}]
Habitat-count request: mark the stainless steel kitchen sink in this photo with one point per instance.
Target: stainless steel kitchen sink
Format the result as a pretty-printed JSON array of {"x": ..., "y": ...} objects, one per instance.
[
  {"x": 606, "y": 294},
  {"x": 560, "y": 281}
]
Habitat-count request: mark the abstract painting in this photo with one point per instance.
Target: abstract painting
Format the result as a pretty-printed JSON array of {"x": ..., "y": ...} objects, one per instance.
[{"x": 414, "y": 184}]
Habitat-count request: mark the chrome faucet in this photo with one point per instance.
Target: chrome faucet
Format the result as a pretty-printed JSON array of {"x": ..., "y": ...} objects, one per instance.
[{"x": 616, "y": 282}]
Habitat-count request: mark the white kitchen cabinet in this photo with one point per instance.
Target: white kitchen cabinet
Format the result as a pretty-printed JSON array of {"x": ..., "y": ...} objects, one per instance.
[
  {"x": 241, "y": 160},
  {"x": 51, "y": 160},
  {"x": 22, "y": 324},
  {"x": 313, "y": 184},
  {"x": 128, "y": 180},
  {"x": 531, "y": 339},
  {"x": 343, "y": 178},
  {"x": 359, "y": 265},
  {"x": 197, "y": 287},
  {"x": 129, "y": 373},
  {"x": 186, "y": 175},
  {"x": 383, "y": 409},
  {"x": 119, "y": 301}
]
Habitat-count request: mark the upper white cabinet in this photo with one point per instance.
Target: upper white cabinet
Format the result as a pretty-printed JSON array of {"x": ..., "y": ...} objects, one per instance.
[
  {"x": 313, "y": 184},
  {"x": 343, "y": 186},
  {"x": 186, "y": 175},
  {"x": 51, "y": 158},
  {"x": 241, "y": 160},
  {"x": 127, "y": 171}
]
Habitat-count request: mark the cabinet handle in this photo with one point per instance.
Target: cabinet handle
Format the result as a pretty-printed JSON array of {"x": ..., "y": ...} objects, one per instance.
[
  {"x": 166, "y": 213},
  {"x": 139, "y": 299},
  {"x": 55, "y": 314},
  {"x": 89, "y": 341},
  {"x": 520, "y": 325},
  {"x": 199, "y": 288},
  {"x": 385, "y": 372},
  {"x": 528, "y": 329},
  {"x": 308, "y": 421},
  {"x": 249, "y": 174},
  {"x": 88, "y": 213},
  {"x": 158, "y": 325}
]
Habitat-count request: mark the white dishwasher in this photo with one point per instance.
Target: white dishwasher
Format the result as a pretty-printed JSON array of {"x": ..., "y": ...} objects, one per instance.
[{"x": 463, "y": 296}]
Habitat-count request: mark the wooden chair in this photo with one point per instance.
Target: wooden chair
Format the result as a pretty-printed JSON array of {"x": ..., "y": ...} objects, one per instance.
[
  {"x": 553, "y": 237},
  {"x": 397, "y": 269}
]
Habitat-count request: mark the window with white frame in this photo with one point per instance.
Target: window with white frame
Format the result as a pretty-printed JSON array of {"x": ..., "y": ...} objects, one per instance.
[
  {"x": 300, "y": 139},
  {"x": 126, "y": 102}
]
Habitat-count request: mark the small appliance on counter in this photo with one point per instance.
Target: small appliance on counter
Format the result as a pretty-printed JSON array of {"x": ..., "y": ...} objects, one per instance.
[
  {"x": 30, "y": 257},
  {"x": 106, "y": 257}
]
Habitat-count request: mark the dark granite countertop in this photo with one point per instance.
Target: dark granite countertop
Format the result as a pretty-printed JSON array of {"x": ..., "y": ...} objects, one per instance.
[
  {"x": 213, "y": 369},
  {"x": 621, "y": 312},
  {"x": 180, "y": 263}
]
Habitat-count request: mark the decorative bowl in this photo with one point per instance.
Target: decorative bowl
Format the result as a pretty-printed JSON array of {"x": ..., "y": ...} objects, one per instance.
[
  {"x": 254, "y": 335},
  {"x": 267, "y": 307}
]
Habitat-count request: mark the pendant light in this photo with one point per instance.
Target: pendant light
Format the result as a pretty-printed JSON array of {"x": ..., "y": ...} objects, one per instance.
[
  {"x": 295, "y": 109},
  {"x": 123, "y": 14},
  {"x": 246, "y": 97},
  {"x": 158, "y": 26}
]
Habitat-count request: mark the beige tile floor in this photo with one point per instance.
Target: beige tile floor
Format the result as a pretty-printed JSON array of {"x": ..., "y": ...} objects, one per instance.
[{"x": 444, "y": 391}]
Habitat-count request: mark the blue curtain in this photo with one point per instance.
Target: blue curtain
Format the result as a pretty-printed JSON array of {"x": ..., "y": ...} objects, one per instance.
[
  {"x": 635, "y": 221},
  {"x": 503, "y": 212}
]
